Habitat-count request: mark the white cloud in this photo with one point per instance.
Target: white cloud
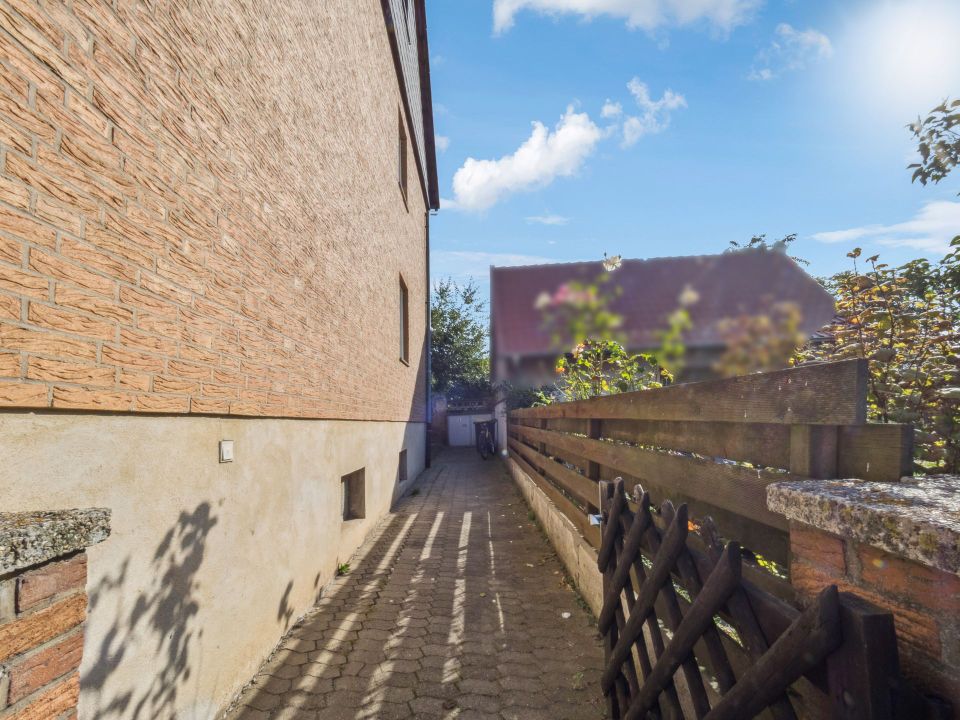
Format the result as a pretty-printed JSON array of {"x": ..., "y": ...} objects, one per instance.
[
  {"x": 723, "y": 15},
  {"x": 463, "y": 265},
  {"x": 656, "y": 113},
  {"x": 442, "y": 142},
  {"x": 546, "y": 155},
  {"x": 548, "y": 219},
  {"x": 790, "y": 50},
  {"x": 542, "y": 158},
  {"x": 930, "y": 230},
  {"x": 611, "y": 109}
]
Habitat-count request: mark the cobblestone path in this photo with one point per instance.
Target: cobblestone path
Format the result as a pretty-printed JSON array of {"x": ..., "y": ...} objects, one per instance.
[{"x": 455, "y": 607}]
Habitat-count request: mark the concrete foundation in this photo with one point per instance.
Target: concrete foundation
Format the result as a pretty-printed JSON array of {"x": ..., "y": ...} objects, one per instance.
[{"x": 209, "y": 563}]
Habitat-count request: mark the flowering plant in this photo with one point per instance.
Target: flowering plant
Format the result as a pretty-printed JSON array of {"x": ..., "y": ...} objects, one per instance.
[
  {"x": 604, "y": 367},
  {"x": 580, "y": 313}
]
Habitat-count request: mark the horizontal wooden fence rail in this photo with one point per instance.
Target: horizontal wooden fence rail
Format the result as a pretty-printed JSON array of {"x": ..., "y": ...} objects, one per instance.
[
  {"x": 714, "y": 445},
  {"x": 826, "y": 393}
]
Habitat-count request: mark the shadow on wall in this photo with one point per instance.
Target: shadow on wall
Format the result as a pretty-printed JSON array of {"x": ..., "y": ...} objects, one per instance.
[
  {"x": 285, "y": 611},
  {"x": 163, "y": 614}
]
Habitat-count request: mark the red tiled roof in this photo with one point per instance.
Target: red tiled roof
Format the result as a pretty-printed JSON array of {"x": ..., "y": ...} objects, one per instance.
[{"x": 728, "y": 285}]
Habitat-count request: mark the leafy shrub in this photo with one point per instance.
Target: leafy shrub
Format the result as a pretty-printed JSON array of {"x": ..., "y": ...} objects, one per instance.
[
  {"x": 604, "y": 367},
  {"x": 904, "y": 320}
]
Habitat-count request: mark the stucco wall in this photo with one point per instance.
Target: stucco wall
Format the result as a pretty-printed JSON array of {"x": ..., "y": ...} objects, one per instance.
[
  {"x": 200, "y": 210},
  {"x": 208, "y": 563}
]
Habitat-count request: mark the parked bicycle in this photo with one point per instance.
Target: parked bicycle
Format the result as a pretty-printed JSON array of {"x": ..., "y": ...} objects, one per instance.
[{"x": 486, "y": 437}]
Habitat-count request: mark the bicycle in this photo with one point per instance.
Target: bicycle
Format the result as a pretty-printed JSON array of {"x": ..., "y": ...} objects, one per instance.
[{"x": 486, "y": 445}]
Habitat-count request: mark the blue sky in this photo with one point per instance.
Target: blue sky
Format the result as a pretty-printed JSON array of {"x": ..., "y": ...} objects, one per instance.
[{"x": 671, "y": 127}]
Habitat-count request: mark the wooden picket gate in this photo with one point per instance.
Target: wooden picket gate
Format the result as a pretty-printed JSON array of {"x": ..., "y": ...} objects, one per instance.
[{"x": 669, "y": 607}]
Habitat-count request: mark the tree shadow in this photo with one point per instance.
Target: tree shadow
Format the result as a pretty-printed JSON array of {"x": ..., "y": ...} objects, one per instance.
[
  {"x": 164, "y": 613},
  {"x": 336, "y": 615},
  {"x": 285, "y": 611}
]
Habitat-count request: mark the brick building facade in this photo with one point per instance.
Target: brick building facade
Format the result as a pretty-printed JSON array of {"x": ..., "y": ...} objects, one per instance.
[
  {"x": 189, "y": 228},
  {"x": 213, "y": 226}
]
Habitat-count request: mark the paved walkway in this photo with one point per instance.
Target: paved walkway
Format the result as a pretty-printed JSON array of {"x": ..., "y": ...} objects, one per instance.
[{"x": 455, "y": 607}]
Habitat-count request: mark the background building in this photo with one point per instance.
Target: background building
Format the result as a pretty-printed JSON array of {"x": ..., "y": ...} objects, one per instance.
[
  {"x": 213, "y": 227},
  {"x": 524, "y": 348}
]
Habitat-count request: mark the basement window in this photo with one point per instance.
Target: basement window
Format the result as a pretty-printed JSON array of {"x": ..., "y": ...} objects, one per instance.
[
  {"x": 404, "y": 323},
  {"x": 402, "y": 155},
  {"x": 402, "y": 467},
  {"x": 353, "y": 495}
]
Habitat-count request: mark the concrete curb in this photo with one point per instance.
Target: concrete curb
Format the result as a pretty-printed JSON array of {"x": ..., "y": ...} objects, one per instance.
[{"x": 576, "y": 554}]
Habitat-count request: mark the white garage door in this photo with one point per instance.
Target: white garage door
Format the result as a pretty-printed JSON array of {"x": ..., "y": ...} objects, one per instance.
[{"x": 460, "y": 428}]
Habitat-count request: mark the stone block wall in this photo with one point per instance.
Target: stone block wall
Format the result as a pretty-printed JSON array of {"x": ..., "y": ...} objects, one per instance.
[
  {"x": 895, "y": 545},
  {"x": 925, "y": 602},
  {"x": 200, "y": 213},
  {"x": 43, "y": 609}
]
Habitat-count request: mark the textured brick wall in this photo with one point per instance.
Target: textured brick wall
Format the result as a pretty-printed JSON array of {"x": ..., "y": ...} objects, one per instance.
[
  {"x": 199, "y": 210},
  {"x": 925, "y": 601},
  {"x": 42, "y": 611}
]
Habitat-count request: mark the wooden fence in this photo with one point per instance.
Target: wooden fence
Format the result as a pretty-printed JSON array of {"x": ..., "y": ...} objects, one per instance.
[
  {"x": 713, "y": 445},
  {"x": 687, "y": 636}
]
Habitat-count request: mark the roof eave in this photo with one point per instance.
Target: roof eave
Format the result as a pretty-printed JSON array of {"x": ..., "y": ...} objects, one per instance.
[
  {"x": 426, "y": 96},
  {"x": 426, "y": 167}
]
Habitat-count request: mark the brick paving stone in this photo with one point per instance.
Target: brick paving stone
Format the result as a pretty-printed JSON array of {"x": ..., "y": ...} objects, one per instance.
[
  {"x": 287, "y": 672},
  {"x": 248, "y": 713},
  {"x": 527, "y": 714},
  {"x": 464, "y": 619}
]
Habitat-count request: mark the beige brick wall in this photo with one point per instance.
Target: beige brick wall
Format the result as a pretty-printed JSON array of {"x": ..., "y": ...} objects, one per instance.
[{"x": 199, "y": 210}]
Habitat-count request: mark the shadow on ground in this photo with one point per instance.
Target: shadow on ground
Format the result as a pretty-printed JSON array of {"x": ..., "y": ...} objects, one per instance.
[{"x": 456, "y": 607}]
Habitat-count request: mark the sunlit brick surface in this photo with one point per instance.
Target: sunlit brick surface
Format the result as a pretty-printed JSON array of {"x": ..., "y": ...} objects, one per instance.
[{"x": 199, "y": 210}]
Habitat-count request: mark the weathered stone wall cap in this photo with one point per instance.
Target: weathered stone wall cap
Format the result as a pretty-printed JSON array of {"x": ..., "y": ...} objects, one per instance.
[
  {"x": 918, "y": 518},
  {"x": 31, "y": 538}
]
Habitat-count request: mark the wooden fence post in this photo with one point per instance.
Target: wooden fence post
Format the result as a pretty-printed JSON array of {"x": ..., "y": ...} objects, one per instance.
[
  {"x": 813, "y": 451},
  {"x": 542, "y": 447},
  {"x": 864, "y": 672},
  {"x": 882, "y": 453},
  {"x": 593, "y": 432}
]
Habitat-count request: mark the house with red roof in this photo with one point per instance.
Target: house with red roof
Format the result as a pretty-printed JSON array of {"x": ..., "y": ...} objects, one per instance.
[{"x": 524, "y": 347}]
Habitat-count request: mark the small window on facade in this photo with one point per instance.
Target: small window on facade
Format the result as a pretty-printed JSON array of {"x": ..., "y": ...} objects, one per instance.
[
  {"x": 402, "y": 155},
  {"x": 402, "y": 467},
  {"x": 404, "y": 323},
  {"x": 353, "y": 495}
]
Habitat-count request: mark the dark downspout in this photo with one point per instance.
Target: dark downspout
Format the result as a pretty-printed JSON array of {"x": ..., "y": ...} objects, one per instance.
[{"x": 426, "y": 233}]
